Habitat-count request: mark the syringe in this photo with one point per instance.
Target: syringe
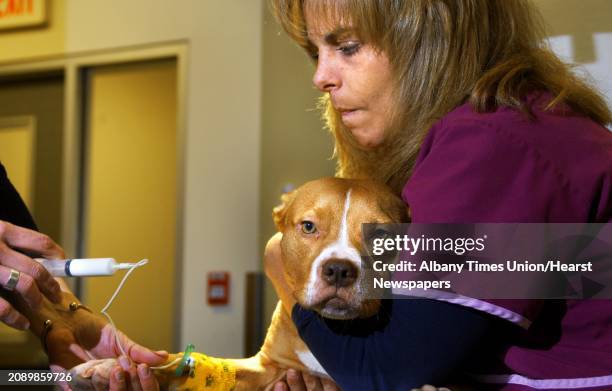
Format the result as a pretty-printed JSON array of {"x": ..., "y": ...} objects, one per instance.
[{"x": 83, "y": 267}]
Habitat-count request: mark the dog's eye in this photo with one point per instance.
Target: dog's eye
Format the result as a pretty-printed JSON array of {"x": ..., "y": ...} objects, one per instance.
[
  {"x": 380, "y": 233},
  {"x": 308, "y": 227}
]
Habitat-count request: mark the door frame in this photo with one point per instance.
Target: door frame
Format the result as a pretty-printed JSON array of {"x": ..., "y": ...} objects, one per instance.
[{"x": 74, "y": 66}]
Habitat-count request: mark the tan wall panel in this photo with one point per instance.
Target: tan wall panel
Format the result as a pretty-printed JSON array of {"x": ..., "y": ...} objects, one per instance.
[
  {"x": 131, "y": 194},
  {"x": 42, "y": 99},
  {"x": 17, "y": 156}
]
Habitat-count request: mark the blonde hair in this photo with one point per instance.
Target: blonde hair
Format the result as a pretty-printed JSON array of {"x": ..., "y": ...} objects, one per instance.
[{"x": 443, "y": 53}]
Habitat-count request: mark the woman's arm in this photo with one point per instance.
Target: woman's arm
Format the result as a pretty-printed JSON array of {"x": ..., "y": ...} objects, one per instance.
[{"x": 422, "y": 342}]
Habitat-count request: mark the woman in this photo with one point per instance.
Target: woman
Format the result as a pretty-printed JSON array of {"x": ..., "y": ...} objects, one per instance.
[{"x": 459, "y": 107}]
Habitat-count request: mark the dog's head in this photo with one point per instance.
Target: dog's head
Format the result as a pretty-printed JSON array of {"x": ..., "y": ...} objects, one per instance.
[{"x": 322, "y": 242}]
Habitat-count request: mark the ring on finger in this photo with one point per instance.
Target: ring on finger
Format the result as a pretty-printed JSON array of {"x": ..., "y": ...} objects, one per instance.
[
  {"x": 47, "y": 324},
  {"x": 13, "y": 280}
]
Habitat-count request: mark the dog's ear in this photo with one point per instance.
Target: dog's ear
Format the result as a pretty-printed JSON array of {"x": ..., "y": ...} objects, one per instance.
[
  {"x": 405, "y": 214},
  {"x": 279, "y": 213},
  {"x": 397, "y": 209}
]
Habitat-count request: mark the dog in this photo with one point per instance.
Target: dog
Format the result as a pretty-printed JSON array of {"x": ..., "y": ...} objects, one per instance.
[{"x": 321, "y": 251}]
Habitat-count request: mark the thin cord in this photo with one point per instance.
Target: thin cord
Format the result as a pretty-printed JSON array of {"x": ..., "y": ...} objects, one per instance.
[
  {"x": 106, "y": 307},
  {"x": 176, "y": 360},
  {"x": 110, "y": 301}
]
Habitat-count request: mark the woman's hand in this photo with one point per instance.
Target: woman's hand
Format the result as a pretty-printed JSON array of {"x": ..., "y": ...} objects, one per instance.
[
  {"x": 301, "y": 381},
  {"x": 132, "y": 377},
  {"x": 75, "y": 336},
  {"x": 33, "y": 280},
  {"x": 78, "y": 335},
  {"x": 82, "y": 336}
]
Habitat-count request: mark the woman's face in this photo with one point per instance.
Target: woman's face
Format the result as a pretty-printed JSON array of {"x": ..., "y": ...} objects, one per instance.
[{"x": 357, "y": 77}]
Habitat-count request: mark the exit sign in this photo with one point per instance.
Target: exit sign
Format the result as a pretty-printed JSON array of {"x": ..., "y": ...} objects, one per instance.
[{"x": 22, "y": 13}]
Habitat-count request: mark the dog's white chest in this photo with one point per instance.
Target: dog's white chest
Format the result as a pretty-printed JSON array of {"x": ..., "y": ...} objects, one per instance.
[{"x": 311, "y": 363}]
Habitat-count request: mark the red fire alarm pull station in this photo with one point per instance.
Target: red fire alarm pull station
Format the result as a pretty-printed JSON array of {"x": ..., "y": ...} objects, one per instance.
[{"x": 218, "y": 288}]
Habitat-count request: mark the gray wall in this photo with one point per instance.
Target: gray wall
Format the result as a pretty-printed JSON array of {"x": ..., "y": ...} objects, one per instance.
[{"x": 294, "y": 146}]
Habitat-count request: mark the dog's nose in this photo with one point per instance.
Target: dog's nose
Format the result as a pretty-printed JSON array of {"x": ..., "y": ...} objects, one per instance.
[{"x": 339, "y": 273}]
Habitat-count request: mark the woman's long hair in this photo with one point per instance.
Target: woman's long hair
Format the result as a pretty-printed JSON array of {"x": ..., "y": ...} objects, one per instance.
[{"x": 491, "y": 53}]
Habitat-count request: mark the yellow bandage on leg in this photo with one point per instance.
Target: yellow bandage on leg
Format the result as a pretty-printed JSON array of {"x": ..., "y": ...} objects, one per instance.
[{"x": 208, "y": 374}]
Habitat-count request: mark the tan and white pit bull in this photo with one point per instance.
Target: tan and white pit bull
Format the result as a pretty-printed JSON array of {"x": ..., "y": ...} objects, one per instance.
[{"x": 321, "y": 251}]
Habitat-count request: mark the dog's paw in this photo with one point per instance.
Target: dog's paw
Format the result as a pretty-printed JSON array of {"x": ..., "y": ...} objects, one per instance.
[{"x": 93, "y": 374}]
